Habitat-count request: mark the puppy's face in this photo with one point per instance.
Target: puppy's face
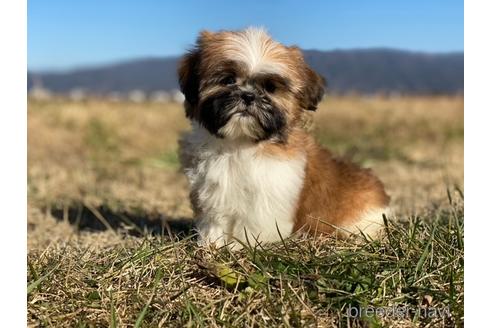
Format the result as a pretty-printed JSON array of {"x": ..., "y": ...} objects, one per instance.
[{"x": 244, "y": 85}]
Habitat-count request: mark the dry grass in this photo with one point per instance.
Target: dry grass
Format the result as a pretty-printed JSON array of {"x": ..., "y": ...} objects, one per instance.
[{"x": 103, "y": 176}]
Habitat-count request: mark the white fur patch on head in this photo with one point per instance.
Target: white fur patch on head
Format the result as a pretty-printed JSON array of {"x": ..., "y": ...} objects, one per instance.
[{"x": 254, "y": 47}]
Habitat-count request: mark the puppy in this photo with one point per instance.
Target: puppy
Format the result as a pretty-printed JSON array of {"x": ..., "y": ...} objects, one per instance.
[{"x": 255, "y": 174}]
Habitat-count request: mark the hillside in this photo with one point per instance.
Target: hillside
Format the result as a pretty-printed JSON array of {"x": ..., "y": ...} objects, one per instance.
[{"x": 364, "y": 71}]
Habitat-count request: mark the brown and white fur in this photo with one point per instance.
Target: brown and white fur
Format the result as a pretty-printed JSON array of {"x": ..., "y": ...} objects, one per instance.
[{"x": 255, "y": 174}]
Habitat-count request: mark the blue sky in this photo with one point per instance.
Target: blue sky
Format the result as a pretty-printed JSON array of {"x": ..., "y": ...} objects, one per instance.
[{"x": 66, "y": 34}]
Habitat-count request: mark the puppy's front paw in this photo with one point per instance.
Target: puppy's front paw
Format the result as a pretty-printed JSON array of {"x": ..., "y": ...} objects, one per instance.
[
  {"x": 216, "y": 238},
  {"x": 211, "y": 235}
]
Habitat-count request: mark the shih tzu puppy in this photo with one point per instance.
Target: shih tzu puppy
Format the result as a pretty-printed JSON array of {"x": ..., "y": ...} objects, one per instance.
[{"x": 255, "y": 174}]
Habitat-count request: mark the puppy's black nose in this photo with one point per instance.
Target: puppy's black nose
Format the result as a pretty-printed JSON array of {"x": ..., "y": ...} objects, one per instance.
[{"x": 248, "y": 97}]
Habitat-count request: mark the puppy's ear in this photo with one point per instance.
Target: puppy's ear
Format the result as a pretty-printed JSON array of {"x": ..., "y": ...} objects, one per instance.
[
  {"x": 313, "y": 90},
  {"x": 189, "y": 79},
  {"x": 315, "y": 84},
  {"x": 189, "y": 74}
]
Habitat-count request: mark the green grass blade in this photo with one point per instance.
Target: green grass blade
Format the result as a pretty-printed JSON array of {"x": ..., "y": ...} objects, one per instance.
[
  {"x": 142, "y": 314},
  {"x": 37, "y": 282}
]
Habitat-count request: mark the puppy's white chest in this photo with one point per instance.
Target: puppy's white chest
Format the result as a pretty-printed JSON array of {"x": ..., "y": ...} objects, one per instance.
[{"x": 239, "y": 190}]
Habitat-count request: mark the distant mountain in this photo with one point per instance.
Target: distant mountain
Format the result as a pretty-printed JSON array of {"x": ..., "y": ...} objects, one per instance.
[{"x": 364, "y": 71}]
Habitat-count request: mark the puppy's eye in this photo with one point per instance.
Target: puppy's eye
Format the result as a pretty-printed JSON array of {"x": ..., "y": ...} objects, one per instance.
[
  {"x": 270, "y": 87},
  {"x": 229, "y": 80}
]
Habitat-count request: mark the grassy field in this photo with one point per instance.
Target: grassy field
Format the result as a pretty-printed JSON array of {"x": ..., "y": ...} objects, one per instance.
[{"x": 110, "y": 240}]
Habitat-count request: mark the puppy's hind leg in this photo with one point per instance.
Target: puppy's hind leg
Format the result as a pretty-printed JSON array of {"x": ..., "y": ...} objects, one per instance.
[{"x": 371, "y": 223}]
